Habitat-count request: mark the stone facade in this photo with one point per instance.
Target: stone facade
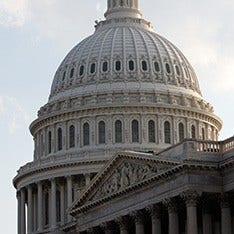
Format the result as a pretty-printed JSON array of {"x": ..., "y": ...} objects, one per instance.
[{"x": 111, "y": 154}]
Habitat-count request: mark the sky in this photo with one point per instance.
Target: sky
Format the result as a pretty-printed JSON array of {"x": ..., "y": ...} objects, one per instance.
[{"x": 35, "y": 36}]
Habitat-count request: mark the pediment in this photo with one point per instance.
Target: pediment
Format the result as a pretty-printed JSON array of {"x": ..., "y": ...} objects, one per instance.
[{"x": 124, "y": 171}]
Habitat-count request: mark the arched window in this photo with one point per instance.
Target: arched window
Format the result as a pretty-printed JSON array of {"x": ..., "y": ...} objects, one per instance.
[
  {"x": 101, "y": 132},
  {"x": 46, "y": 204},
  {"x": 167, "y": 132},
  {"x": 86, "y": 134},
  {"x": 81, "y": 72},
  {"x": 49, "y": 142},
  {"x": 92, "y": 68},
  {"x": 135, "y": 131},
  {"x": 118, "y": 65},
  {"x": 72, "y": 72},
  {"x": 60, "y": 139},
  {"x": 118, "y": 132},
  {"x": 105, "y": 66},
  {"x": 72, "y": 136},
  {"x": 181, "y": 132},
  {"x": 58, "y": 206},
  {"x": 156, "y": 66},
  {"x": 203, "y": 134},
  {"x": 177, "y": 70},
  {"x": 168, "y": 68},
  {"x": 151, "y": 131},
  {"x": 193, "y": 132},
  {"x": 131, "y": 65},
  {"x": 144, "y": 65}
]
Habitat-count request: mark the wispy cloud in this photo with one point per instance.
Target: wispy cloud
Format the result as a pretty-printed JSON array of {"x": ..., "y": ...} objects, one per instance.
[{"x": 12, "y": 114}]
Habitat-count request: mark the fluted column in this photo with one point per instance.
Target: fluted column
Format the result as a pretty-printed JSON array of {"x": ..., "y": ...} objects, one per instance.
[
  {"x": 19, "y": 211},
  {"x": 22, "y": 213},
  {"x": 62, "y": 205},
  {"x": 30, "y": 210},
  {"x": 139, "y": 221},
  {"x": 123, "y": 223},
  {"x": 154, "y": 212},
  {"x": 172, "y": 215},
  {"x": 39, "y": 207},
  {"x": 69, "y": 195},
  {"x": 191, "y": 197},
  {"x": 226, "y": 221},
  {"x": 53, "y": 204}
]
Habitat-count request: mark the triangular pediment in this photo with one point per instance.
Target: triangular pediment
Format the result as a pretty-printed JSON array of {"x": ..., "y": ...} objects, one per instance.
[{"x": 123, "y": 172}]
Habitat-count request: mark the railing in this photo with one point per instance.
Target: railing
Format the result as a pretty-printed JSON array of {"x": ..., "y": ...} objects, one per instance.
[{"x": 228, "y": 144}]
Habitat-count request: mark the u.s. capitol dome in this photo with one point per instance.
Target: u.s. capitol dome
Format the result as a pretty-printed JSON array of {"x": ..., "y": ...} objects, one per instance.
[{"x": 122, "y": 88}]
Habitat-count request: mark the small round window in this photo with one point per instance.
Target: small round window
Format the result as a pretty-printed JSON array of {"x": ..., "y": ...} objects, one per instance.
[
  {"x": 92, "y": 68},
  {"x": 72, "y": 72},
  {"x": 118, "y": 65},
  {"x": 168, "y": 68},
  {"x": 81, "y": 72},
  {"x": 131, "y": 65},
  {"x": 177, "y": 70},
  {"x": 144, "y": 65},
  {"x": 156, "y": 66},
  {"x": 105, "y": 66}
]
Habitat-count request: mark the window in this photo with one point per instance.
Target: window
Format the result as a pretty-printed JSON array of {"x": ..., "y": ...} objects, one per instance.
[
  {"x": 60, "y": 139},
  {"x": 118, "y": 132},
  {"x": 64, "y": 75},
  {"x": 81, "y": 72},
  {"x": 72, "y": 72},
  {"x": 58, "y": 206},
  {"x": 49, "y": 142},
  {"x": 156, "y": 66},
  {"x": 203, "y": 134},
  {"x": 72, "y": 136},
  {"x": 167, "y": 132},
  {"x": 168, "y": 68},
  {"x": 92, "y": 68},
  {"x": 118, "y": 65},
  {"x": 131, "y": 65},
  {"x": 105, "y": 66},
  {"x": 151, "y": 131},
  {"x": 144, "y": 65},
  {"x": 177, "y": 70},
  {"x": 86, "y": 134},
  {"x": 193, "y": 132},
  {"x": 135, "y": 131},
  {"x": 181, "y": 132},
  {"x": 121, "y": 3},
  {"x": 101, "y": 133}
]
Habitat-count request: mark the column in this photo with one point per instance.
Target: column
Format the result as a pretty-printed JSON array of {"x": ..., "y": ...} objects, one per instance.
[
  {"x": 22, "y": 213},
  {"x": 226, "y": 220},
  {"x": 53, "y": 211},
  {"x": 39, "y": 207},
  {"x": 123, "y": 223},
  {"x": 30, "y": 209},
  {"x": 62, "y": 204},
  {"x": 19, "y": 211},
  {"x": 69, "y": 196},
  {"x": 154, "y": 211},
  {"x": 139, "y": 221},
  {"x": 87, "y": 179},
  {"x": 191, "y": 198},
  {"x": 172, "y": 215}
]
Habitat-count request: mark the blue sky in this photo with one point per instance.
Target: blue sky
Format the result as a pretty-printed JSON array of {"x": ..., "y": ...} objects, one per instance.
[{"x": 35, "y": 36}]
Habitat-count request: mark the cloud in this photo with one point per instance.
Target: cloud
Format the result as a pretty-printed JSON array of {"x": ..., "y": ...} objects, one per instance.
[
  {"x": 12, "y": 114},
  {"x": 14, "y": 13}
]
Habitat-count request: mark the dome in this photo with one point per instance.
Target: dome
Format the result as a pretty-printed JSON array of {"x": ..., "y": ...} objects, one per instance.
[
  {"x": 123, "y": 55},
  {"x": 122, "y": 88}
]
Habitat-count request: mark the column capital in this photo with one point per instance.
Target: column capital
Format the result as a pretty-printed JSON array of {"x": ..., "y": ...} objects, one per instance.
[
  {"x": 138, "y": 216},
  {"x": 171, "y": 204},
  {"x": 123, "y": 222},
  {"x": 190, "y": 197},
  {"x": 154, "y": 210}
]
